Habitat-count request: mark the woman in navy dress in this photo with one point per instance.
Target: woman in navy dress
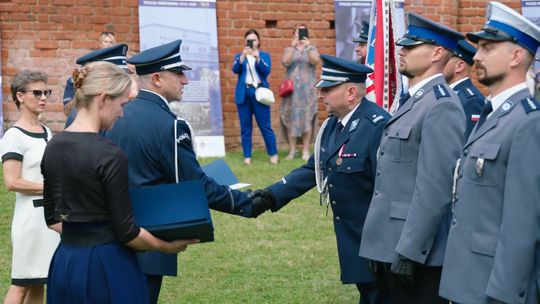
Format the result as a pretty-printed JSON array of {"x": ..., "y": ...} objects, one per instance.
[
  {"x": 253, "y": 67},
  {"x": 86, "y": 199}
]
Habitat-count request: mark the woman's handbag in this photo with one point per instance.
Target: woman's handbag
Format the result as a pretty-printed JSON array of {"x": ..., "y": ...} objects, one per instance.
[
  {"x": 264, "y": 96},
  {"x": 286, "y": 88}
]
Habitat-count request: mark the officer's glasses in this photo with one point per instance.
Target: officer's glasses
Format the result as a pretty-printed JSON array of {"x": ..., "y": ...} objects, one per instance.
[{"x": 39, "y": 93}]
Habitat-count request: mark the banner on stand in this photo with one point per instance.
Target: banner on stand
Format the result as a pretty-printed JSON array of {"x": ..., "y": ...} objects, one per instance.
[{"x": 195, "y": 22}]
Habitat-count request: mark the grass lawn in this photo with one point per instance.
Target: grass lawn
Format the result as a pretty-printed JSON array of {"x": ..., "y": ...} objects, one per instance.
[{"x": 286, "y": 257}]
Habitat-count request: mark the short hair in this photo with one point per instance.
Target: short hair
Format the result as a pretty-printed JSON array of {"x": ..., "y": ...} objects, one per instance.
[
  {"x": 96, "y": 78},
  {"x": 23, "y": 79}
]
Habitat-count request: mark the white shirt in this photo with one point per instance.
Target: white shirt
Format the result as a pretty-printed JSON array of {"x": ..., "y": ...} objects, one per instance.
[
  {"x": 455, "y": 83},
  {"x": 347, "y": 117},
  {"x": 165, "y": 100},
  {"x": 497, "y": 101},
  {"x": 251, "y": 77},
  {"x": 419, "y": 85}
]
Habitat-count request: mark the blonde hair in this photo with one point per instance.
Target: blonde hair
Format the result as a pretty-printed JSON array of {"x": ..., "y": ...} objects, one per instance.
[{"x": 96, "y": 78}]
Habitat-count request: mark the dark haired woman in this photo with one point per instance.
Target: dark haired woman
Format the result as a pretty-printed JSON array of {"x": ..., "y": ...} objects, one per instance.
[
  {"x": 252, "y": 67},
  {"x": 21, "y": 149}
]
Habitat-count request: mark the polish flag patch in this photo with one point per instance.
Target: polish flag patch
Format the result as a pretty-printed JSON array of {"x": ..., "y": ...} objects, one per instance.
[{"x": 475, "y": 117}]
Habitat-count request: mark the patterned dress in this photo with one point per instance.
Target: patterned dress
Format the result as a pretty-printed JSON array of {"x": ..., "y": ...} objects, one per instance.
[{"x": 298, "y": 111}]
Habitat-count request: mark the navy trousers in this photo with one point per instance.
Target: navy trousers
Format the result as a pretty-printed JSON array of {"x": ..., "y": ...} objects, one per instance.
[{"x": 246, "y": 111}]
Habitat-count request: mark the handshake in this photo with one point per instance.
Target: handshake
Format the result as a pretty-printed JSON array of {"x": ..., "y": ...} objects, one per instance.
[{"x": 261, "y": 200}]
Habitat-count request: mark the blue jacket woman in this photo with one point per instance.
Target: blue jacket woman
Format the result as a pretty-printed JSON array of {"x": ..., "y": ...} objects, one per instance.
[{"x": 253, "y": 67}]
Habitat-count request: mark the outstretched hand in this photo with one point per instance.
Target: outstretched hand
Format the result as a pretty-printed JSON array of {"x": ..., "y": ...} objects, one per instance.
[{"x": 261, "y": 200}]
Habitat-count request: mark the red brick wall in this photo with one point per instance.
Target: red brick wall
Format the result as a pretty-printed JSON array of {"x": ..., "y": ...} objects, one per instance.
[{"x": 49, "y": 35}]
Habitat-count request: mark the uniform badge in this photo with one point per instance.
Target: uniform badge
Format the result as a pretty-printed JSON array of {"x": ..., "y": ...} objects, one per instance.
[
  {"x": 506, "y": 106},
  {"x": 479, "y": 166},
  {"x": 530, "y": 105},
  {"x": 339, "y": 161},
  {"x": 419, "y": 93},
  {"x": 182, "y": 137},
  {"x": 469, "y": 92},
  {"x": 354, "y": 124}
]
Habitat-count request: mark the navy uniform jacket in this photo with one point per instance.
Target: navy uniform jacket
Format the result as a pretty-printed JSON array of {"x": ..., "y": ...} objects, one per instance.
[
  {"x": 69, "y": 94},
  {"x": 146, "y": 135},
  {"x": 472, "y": 101},
  {"x": 263, "y": 68},
  {"x": 494, "y": 241},
  {"x": 350, "y": 184}
]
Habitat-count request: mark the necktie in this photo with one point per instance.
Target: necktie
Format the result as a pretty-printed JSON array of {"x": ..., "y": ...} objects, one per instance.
[
  {"x": 404, "y": 99},
  {"x": 339, "y": 128},
  {"x": 488, "y": 108}
]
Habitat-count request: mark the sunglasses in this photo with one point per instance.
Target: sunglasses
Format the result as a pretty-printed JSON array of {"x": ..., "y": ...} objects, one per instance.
[{"x": 39, "y": 93}]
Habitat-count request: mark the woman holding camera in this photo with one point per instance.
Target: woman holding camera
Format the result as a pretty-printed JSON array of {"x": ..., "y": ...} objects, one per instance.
[
  {"x": 253, "y": 67},
  {"x": 298, "y": 111}
]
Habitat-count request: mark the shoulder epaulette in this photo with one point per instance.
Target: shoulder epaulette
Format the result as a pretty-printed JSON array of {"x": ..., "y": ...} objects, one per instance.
[
  {"x": 469, "y": 92},
  {"x": 440, "y": 91},
  {"x": 375, "y": 118},
  {"x": 530, "y": 104}
]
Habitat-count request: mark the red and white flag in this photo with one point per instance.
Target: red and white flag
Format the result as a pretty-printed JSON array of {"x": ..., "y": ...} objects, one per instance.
[{"x": 383, "y": 86}]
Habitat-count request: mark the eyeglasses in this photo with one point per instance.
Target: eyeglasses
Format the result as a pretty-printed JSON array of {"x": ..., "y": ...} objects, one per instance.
[{"x": 39, "y": 93}]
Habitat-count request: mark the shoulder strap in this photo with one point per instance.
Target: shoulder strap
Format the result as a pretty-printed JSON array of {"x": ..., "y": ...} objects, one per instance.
[{"x": 321, "y": 183}]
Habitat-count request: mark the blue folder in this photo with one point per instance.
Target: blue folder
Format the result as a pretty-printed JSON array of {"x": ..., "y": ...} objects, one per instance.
[
  {"x": 174, "y": 211},
  {"x": 220, "y": 172}
]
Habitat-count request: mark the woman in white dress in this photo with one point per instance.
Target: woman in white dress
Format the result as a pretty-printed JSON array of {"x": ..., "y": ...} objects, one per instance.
[{"x": 21, "y": 150}]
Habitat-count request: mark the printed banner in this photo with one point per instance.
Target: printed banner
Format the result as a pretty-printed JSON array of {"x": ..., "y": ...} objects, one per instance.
[
  {"x": 195, "y": 22},
  {"x": 349, "y": 16}
]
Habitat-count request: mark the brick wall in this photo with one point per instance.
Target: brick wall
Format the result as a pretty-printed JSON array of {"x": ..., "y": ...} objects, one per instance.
[{"x": 49, "y": 35}]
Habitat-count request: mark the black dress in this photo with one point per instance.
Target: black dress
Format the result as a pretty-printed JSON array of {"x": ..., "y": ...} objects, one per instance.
[{"x": 85, "y": 188}]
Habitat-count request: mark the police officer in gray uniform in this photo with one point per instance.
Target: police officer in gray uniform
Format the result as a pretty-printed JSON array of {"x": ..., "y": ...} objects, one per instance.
[
  {"x": 456, "y": 72},
  {"x": 342, "y": 166},
  {"x": 159, "y": 147},
  {"x": 493, "y": 251},
  {"x": 408, "y": 219}
]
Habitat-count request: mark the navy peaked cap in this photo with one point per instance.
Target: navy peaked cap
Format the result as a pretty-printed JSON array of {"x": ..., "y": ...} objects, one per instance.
[
  {"x": 363, "y": 35},
  {"x": 505, "y": 24},
  {"x": 115, "y": 54},
  {"x": 160, "y": 58},
  {"x": 336, "y": 71},
  {"x": 465, "y": 51},
  {"x": 423, "y": 30}
]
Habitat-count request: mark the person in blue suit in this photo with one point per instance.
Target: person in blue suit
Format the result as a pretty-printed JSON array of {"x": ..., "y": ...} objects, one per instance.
[
  {"x": 253, "y": 67},
  {"x": 456, "y": 72},
  {"x": 343, "y": 166},
  {"x": 160, "y": 150}
]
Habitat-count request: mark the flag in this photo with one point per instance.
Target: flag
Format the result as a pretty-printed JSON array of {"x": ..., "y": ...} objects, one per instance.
[{"x": 383, "y": 86}]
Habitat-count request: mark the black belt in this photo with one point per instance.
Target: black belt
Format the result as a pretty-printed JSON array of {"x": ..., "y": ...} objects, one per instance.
[{"x": 87, "y": 234}]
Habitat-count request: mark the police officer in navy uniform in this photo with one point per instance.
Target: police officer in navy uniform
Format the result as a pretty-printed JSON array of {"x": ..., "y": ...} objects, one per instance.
[
  {"x": 362, "y": 40},
  {"x": 456, "y": 72},
  {"x": 409, "y": 216},
  {"x": 343, "y": 166},
  {"x": 493, "y": 251},
  {"x": 115, "y": 54},
  {"x": 159, "y": 147}
]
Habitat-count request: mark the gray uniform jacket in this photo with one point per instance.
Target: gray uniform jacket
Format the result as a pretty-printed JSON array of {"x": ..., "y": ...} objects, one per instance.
[
  {"x": 494, "y": 240},
  {"x": 410, "y": 208}
]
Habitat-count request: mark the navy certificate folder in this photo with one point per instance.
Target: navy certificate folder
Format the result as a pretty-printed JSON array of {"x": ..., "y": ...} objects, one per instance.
[
  {"x": 220, "y": 172},
  {"x": 174, "y": 211}
]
